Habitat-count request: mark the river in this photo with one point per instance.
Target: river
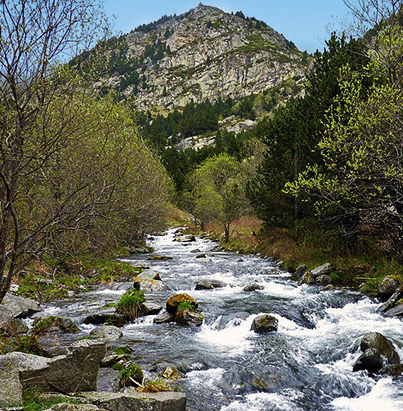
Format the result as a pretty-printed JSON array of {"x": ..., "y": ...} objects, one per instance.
[{"x": 305, "y": 365}]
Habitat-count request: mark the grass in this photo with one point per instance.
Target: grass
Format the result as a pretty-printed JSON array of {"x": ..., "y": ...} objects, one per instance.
[
  {"x": 186, "y": 305},
  {"x": 34, "y": 401},
  {"x": 131, "y": 304}
]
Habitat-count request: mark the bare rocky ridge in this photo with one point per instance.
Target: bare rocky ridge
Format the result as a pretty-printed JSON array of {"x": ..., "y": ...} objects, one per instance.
[{"x": 206, "y": 54}]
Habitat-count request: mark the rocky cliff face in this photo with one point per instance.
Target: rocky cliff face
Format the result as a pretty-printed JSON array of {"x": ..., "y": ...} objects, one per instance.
[{"x": 202, "y": 54}]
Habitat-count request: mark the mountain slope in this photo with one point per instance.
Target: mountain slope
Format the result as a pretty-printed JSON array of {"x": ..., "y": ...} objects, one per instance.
[{"x": 202, "y": 54}]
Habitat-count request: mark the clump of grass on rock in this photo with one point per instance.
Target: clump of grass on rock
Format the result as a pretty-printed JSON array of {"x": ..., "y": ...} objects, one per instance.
[{"x": 131, "y": 305}]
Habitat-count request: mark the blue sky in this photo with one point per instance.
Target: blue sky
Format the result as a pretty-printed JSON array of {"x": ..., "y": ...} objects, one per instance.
[{"x": 305, "y": 22}]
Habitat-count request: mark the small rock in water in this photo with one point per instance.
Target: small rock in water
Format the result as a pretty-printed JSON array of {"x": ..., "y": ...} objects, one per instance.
[
  {"x": 209, "y": 285},
  {"x": 253, "y": 287},
  {"x": 264, "y": 323},
  {"x": 107, "y": 333}
]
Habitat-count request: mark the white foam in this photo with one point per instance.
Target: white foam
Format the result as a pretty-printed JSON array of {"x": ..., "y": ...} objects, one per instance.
[
  {"x": 282, "y": 401},
  {"x": 383, "y": 396}
]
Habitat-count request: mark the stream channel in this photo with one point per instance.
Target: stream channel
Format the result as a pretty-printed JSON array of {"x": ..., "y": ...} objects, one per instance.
[{"x": 305, "y": 365}]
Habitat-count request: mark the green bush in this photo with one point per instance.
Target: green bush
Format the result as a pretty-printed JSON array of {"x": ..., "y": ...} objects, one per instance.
[
  {"x": 131, "y": 304},
  {"x": 186, "y": 305},
  {"x": 130, "y": 374}
]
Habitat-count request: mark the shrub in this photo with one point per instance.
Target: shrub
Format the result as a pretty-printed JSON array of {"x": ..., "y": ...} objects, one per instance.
[
  {"x": 186, "y": 305},
  {"x": 131, "y": 304},
  {"x": 130, "y": 374}
]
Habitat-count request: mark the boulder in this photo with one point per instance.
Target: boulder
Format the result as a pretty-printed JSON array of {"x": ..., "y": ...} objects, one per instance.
[
  {"x": 387, "y": 288},
  {"x": 300, "y": 271},
  {"x": 307, "y": 278},
  {"x": 395, "y": 311},
  {"x": 393, "y": 301},
  {"x": 264, "y": 323},
  {"x": 253, "y": 287},
  {"x": 195, "y": 251},
  {"x": 152, "y": 309},
  {"x": 189, "y": 318},
  {"x": 107, "y": 333},
  {"x": 15, "y": 327},
  {"x": 148, "y": 275},
  {"x": 323, "y": 279},
  {"x": 173, "y": 302},
  {"x": 76, "y": 371},
  {"x": 369, "y": 360},
  {"x": 209, "y": 285},
  {"x": 111, "y": 318},
  {"x": 132, "y": 400},
  {"x": 14, "y": 306},
  {"x": 74, "y": 407},
  {"x": 382, "y": 345},
  {"x": 186, "y": 239},
  {"x": 322, "y": 270},
  {"x": 55, "y": 324},
  {"x": 159, "y": 258},
  {"x": 392, "y": 370},
  {"x": 164, "y": 318}
]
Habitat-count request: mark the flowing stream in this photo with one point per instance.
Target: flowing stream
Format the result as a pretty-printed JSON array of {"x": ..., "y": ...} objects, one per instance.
[{"x": 305, "y": 365}]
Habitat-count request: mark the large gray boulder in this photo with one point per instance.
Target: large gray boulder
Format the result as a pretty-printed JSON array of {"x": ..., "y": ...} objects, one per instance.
[
  {"x": 131, "y": 400},
  {"x": 392, "y": 301},
  {"x": 382, "y": 345},
  {"x": 14, "y": 306},
  {"x": 73, "y": 372}
]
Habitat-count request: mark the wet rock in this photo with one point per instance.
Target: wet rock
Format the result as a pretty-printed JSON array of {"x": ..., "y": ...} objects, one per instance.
[
  {"x": 159, "y": 258},
  {"x": 186, "y": 239},
  {"x": 54, "y": 324},
  {"x": 112, "y": 359},
  {"x": 172, "y": 374},
  {"x": 329, "y": 287},
  {"x": 381, "y": 344},
  {"x": 164, "y": 318},
  {"x": 387, "y": 288},
  {"x": 138, "y": 250},
  {"x": 253, "y": 287},
  {"x": 240, "y": 260},
  {"x": 323, "y": 280},
  {"x": 395, "y": 312},
  {"x": 173, "y": 302},
  {"x": 264, "y": 323},
  {"x": 188, "y": 318},
  {"x": 369, "y": 360},
  {"x": 132, "y": 400},
  {"x": 107, "y": 333},
  {"x": 322, "y": 270},
  {"x": 392, "y": 370},
  {"x": 393, "y": 301},
  {"x": 111, "y": 318},
  {"x": 195, "y": 251},
  {"x": 148, "y": 275},
  {"x": 152, "y": 309},
  {"x": 300, "y": 271},
  {"x": 209, "y": 285},
  {"x": 15, "y": 327},
  {"x": 14, "y": 306},
  {"x": 201, "y": 256},
  {"x": 76, "y": 371},
  {"x": 307, "y": 278}
]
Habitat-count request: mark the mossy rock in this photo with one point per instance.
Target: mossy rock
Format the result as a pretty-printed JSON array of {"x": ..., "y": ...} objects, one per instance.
[
  {"x": 173, "y": 303},
  {"x": 159, "y": 258},
  {"x": 54, "y": 324}
]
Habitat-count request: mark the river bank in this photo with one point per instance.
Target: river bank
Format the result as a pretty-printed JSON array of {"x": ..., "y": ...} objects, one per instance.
[{"x": 363, "y": 267}]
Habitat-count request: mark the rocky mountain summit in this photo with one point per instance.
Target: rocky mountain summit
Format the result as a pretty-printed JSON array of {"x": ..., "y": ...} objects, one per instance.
[{"x": 202, "y": 54}]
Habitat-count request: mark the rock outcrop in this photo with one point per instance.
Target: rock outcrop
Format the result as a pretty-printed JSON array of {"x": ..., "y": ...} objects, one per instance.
[
  {"x": 264, "y": 323},
  {"x": 74, "y": 372}
]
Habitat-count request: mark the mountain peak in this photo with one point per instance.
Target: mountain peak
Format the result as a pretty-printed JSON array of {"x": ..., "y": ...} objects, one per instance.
[{"x": 202, "y": 54}]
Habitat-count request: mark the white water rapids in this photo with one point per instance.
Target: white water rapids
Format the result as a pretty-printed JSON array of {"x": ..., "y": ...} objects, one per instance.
[{"x": 305, "y": 365}]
